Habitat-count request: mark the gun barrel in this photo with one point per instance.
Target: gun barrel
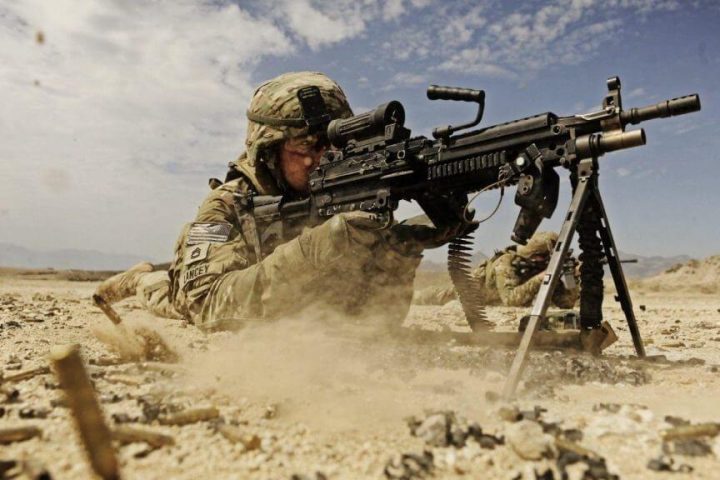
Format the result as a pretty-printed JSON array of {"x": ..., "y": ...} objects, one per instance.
[{"x": 666, "y": 108}]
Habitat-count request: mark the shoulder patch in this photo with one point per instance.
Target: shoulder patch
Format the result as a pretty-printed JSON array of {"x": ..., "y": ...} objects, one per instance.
[
  {"x": 208, "y": 232},
  {"x": 195, "y": 253}
]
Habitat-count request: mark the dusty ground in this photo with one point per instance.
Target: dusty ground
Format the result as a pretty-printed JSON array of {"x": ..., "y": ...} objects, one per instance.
[{"x": 325, "y": 398}]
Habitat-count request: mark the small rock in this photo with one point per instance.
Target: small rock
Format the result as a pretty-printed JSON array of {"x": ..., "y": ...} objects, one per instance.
[
  {"x": 410, "y": 466},
  {"x": 316, "y": 476},
  {"x": 492, "y": 396},
  {"x": 7, "y": 466},
  {"x": 676, "y": 421},
  {"x": 121, "y": 418},
  {"x": 270, "y": 412},
  {"x": 444, "y": 429},
  {"x": 588, "y": 468},
  {"x": 33, "y": 413},
  {"x": 607, "y": 407},
  {"x": 9, "y": 395},
  {"x": 434, "y": 430},
  {"x": 529, "y": 441},
  {"x": 509, "y": 414},
  {"x": 60, "y": 401},
  {"x": 667, "y": 464},
  {"x": 690, "y": 447},
  {"x": 533, "y": 414},
  {"x": 572, "y": 434},
  {"x": 251, "y": 442},
  {"x": 110, "y": 398}
]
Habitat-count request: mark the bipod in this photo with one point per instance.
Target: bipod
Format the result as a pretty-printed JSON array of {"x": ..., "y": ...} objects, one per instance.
[{"x": 587, "y": 216}]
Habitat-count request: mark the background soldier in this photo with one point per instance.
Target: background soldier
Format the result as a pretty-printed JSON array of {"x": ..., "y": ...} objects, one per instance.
[
  {"x": 512, "y": 277},
  {"x": 349, "y": 262}
]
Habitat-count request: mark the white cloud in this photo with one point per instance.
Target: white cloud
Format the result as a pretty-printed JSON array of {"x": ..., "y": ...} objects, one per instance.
[
  {"x": 460, "y": 29},
  {"x": 420, "y": 3},
  {"x": 511, "y": 41},
  {"x": 115, "y": 122},
  {"x": 636, "y": 92},
  {"x": 393, "y": 9},
  {"x": 321, "y": 23},
  {"x": 320, "y": 26},
  {"x": 623, "y": 172},
  {"x": 404, "y": 79},
  {"x": 126, "y": 92}
]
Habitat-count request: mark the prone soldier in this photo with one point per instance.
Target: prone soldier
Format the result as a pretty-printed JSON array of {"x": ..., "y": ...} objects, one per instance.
[
  {"x": 217, "y": 280},
  {"x": 511, "y": 277}
]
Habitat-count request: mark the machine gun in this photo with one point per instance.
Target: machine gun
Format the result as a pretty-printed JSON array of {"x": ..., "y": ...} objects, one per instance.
[{"x": 376, "y": 163}]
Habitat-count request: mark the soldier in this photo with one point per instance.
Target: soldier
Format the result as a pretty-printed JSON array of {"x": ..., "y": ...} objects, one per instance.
[
  {"x": 349, "y": 262},
  {"x": 512, "y": 277}
]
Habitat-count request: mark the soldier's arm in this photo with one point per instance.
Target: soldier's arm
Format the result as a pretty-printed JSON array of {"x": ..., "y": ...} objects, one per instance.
[
  {"x": 565, "y": 298},
  {"x": 515, "y": 291}
]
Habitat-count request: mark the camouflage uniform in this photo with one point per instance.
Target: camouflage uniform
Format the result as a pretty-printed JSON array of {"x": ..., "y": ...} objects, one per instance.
[
  {"x": 505, "y": 278},
  {"x": 215, "y": 279}
]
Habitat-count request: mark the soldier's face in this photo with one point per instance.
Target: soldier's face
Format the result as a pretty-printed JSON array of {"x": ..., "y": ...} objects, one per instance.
[
  {"x": 298, "y": 157},
  {"x": 539, "y": 258}
]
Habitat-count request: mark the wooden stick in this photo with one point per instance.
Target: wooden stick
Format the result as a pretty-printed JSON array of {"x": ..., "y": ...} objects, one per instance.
[
  {"x": 192, "y": 415},
  {"x": 25, "y": 375},
  {"x": 107, "y": 309},
  {"x": 18, "y": 434},
  {"x": 89, "y": 420},
  {"x": 125, "y": 434}
]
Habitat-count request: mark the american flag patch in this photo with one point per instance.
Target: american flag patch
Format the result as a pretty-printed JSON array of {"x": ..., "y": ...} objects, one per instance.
[{"x": 208, "y": 232}]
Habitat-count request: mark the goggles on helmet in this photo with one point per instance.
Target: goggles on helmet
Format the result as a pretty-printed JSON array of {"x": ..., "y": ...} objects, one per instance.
[{"x": 315, "y": 115}]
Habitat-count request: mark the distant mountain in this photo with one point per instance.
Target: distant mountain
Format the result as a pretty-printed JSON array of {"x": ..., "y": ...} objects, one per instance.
[
  {"x": 699, "y": 275},
  {"x": 22, "y": 257},
  {"x": 435, "y": 265},
  {"x": 645, "y": 267},
  {"x": 649, "y": 266}
]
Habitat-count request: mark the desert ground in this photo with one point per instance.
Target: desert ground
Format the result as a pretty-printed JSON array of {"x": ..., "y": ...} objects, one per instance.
[{"x": 315, "y": 396}]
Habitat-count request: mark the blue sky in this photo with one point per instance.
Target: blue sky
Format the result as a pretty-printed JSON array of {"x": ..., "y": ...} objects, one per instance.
[{"x": 113, "y": 124}]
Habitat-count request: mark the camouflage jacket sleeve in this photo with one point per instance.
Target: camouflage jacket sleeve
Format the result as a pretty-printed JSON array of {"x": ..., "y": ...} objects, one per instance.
[
  {"x": 514, "y": 291},
  {"x": 565, "y": 298},
  {"x": 208, "y": 247}
]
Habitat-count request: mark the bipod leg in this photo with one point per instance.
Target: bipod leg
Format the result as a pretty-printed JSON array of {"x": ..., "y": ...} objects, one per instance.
[
  {"x": 623, "y": 293},
  {"x": 552, "y": 276}
]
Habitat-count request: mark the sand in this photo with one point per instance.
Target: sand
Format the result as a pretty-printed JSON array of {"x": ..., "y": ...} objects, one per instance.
[{"x": 314, "y": 393}]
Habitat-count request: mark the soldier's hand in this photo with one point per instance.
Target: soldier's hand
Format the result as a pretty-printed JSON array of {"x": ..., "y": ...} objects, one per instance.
[{"x": 421, "y": 231}]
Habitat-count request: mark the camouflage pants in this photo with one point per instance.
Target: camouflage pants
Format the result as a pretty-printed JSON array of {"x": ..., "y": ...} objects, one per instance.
[
  {"x": 153, "y": 293},
  {"x": 434, "y": 296},
  {"x": 342, "y": 265}
]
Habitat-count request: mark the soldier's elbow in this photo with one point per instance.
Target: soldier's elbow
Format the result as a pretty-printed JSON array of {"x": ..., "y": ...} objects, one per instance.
[
  {"x": 565, "y": 303},
  {"x": 514, "y": 301}
]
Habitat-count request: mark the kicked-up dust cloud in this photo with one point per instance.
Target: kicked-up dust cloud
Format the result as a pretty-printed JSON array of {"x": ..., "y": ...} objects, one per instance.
[{"x": 325, "y": 371}]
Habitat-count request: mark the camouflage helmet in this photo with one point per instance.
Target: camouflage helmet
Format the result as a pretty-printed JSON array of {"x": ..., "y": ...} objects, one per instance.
[
  {"x": 277, "y": 99},
  {"x": 541, "y": 243}
]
